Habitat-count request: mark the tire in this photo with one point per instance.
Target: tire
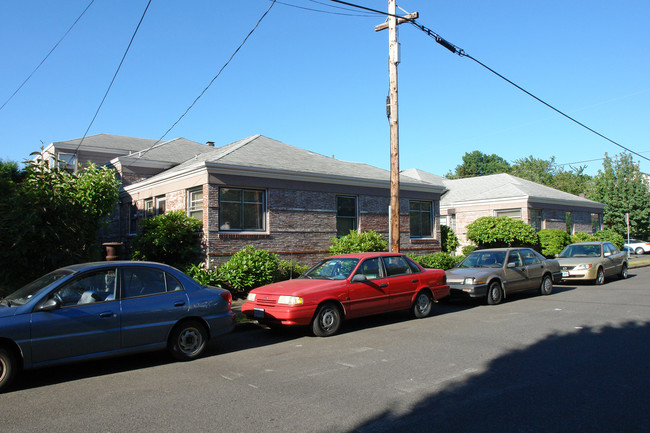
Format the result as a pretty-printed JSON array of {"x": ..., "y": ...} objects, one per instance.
[
  {"x": 8, "y": 367},
  {"x": 623, "y": 274},
  {"x": 422, "y": 305},
  {"x": 639, "y": 251},
  {"x": 188, "y": 340},
  {"x": 546, "y": 288},
  {"x": 600, "y": 277},
  {"x": 327, "y": 320},
  {"x": 494, "y": 294}
]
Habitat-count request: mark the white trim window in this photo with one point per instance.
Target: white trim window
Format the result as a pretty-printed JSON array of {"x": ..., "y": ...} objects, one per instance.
[
  {"x": 195, "y": 203},
  {"x": 161, "y": 204},
  {"x": 515, "y": 214},
  {"x": 421, "y": 218},
  {"x": 346, "y": 214},
  {"x": 242, "y": 209}
]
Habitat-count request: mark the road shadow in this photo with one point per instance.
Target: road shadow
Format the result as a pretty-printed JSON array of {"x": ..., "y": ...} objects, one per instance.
[{"x": 593, "y": 380}]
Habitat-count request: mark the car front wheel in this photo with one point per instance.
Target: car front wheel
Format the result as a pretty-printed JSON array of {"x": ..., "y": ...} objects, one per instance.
[
  {"x": 547, "y": 285},
  {"x": 600, "y": 276},
  {"x": 422, "y": 305},
  {"x": 639, "y": 251},
  {"x": 7, "y": 367},
  {"x": 327, "y": 320},
  {"x": 494, "y": 294},
  {"x": 188, "y": 341}
]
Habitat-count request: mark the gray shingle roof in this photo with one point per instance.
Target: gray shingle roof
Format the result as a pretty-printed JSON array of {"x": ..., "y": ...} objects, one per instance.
[
  {"x": 109, "y": 141},
  {"x": 503, "y": 186},
  {"x": 259, "y": 152}
]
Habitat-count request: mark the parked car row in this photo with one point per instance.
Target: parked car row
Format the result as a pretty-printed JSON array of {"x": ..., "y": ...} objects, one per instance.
[{"x": 103, "y": 309}]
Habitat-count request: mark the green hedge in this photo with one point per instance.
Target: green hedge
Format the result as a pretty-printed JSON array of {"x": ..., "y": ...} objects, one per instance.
[
  {"x": 552, "y": 241},
  {"x": 496, "y": 232}
]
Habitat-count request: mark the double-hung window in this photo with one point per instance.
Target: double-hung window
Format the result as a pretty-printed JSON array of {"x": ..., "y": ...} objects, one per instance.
[
  {"x": 346, "y": 214},
  {"x": 242, "y": 209},
  {"x": 195, "y": 203},
  {"x": 421, "y": 218}
]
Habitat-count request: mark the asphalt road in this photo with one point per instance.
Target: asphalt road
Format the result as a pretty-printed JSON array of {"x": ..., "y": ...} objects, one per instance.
[{"x": 574, "y": 361}]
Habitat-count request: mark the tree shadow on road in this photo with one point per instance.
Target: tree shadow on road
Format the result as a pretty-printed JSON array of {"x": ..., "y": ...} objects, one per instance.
[{"x": 593, "y": 380}]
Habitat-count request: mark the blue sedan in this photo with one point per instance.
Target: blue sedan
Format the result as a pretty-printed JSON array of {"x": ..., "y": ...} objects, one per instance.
[{"x": 102, "y": 309}]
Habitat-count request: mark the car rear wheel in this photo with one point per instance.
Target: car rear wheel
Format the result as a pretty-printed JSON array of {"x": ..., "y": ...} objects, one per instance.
[
  {"x": 547, "y": 285},
  {"x": 623, "y": 274},
  {"x": 188, "y": 341},
  {"x": 639, "y": 251},
  {"x": 600, "y": 276},
  {"x": 422, "y": 305},
  {"x": 327, "y": 320},
  {"x": 494, "y": 294},
  {"x": 7, "y": 367}
]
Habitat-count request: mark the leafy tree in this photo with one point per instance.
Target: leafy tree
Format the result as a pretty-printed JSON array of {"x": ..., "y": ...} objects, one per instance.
[
  {"x": 50, "y": 217},
  {"x": 354, "y": 242},
  {"x": 609, "y": 235},
  {"x": 545, "y": 172},
  {"x": 448, "y": 239},
  {"x": 552, "y": 241},
  {"x": 247, "y": 269},
  {"x": 582, "y": 237},
  {"x": 494, "y": 232},
  {"x": 623, "y": 189},
  {"x": 477, "y": 163},
  {"x": 169, "y": 238}
]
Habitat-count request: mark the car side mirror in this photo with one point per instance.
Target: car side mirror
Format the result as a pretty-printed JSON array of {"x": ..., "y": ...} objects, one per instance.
[
  {"x": 359, "y": 278},
  {"x": 50, "y": 305},
  {"x": 607, "y": 254},
  {"x": 511, "y": 265}
]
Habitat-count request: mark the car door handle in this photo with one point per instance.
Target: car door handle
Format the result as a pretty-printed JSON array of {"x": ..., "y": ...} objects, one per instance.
[
  {"x": 106, "y": 314},
  {"x": 381, "y": 286},
  {"x": 414, "y": 280},
  {"x": 179, "y": 303}
]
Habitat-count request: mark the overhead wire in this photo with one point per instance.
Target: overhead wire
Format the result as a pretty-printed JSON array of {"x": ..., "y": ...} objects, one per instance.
[
  {"x": 48, "y": 55},
  {"x": 456, "y": 50},
  {"x": 135, "y": 32},
  {"x": 144, "y": 151}
]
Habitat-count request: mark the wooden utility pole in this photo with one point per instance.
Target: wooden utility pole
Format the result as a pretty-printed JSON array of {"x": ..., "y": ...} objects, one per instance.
[{"x": 393, "y": 60}]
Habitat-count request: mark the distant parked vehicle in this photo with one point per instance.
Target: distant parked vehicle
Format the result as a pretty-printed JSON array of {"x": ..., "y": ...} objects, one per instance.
[
  {"x": 348, "y": 286},
  {"x": 592, "y": 261},
  {"x": 101, "y": 309},
  {"x": 637, "y": 246},
  {"x": 492, "y": 274}
]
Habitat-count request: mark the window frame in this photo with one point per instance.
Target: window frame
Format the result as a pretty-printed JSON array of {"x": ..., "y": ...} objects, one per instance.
[
  {"x": 341, "y": 218},
  {"x": 195, "y": 207},
  {"x": 226, "y": 226},
  {"x": 509, "y": 210},
  {"x": 431, "y": 219}
]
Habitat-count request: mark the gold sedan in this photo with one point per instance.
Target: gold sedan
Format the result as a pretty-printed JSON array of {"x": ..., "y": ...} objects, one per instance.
[{"x": 592, "y": 261}]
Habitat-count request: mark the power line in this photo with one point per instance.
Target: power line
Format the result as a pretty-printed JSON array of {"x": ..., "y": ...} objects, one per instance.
[
  {"x": 322, "y": 11},
  {"x": 48, "y": 55},
  {"x": 212, "y": 81},
  {"x": 456, "y": 50},
  {"x": 114, "y": 76}
]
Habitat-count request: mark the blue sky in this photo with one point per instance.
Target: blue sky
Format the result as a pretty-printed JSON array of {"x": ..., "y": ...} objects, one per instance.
[{"x": 319, "y": 80}]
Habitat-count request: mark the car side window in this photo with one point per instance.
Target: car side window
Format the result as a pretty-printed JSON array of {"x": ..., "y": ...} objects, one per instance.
[
  {"x": 142, "y": 282},
  {"x": 529, "y": 257},
  {"x": 370, "y": 268},
  {"x": 514, "y": 257},
  {"x": 98, "y": 286},
  {"x": 173, "y": 284},
  {"x": 396, "y": 266}
]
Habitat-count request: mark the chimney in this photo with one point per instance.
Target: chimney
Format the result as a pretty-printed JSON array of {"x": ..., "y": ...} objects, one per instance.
[{"x": 210, "y": 143}]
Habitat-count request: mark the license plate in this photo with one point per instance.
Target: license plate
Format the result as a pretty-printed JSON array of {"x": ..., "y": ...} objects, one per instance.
[
  {"x": 258, "y": 313},
  {"x": 565, "y": 274}
]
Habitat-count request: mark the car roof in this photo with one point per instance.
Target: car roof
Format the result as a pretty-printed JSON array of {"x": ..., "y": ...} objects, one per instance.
[
  {"x": 591, "y": 243},
  {"x": 78, "y": 267},
  {"x": 365, "y": 255}
]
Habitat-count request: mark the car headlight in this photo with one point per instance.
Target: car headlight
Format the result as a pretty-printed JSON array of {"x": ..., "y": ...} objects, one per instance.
[
  {"x": 583, "y": 266},
  {"x": 469, "y": 281},
  {"x": 251, "y": 297},
  {"x": 290, "y": 300}
]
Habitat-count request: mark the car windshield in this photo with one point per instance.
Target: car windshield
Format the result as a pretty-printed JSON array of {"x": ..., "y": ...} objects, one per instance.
[
  {"x": 332, "y": 269},
  {"x": 25, "y": 293},
  {"x": 581, "y": 251},
  {"x": 484, "y": 259}
]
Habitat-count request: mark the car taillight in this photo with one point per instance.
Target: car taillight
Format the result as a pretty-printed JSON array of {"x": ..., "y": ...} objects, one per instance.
[{"x": 228, "y": 297}]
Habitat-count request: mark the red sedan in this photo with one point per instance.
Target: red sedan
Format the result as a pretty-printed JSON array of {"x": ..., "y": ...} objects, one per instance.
[{"x": 345, "y": 287}]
